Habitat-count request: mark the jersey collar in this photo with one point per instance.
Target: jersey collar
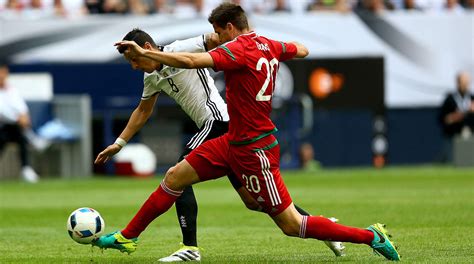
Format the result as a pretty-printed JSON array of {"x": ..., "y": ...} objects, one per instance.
[{"x": 250, "y": 34}]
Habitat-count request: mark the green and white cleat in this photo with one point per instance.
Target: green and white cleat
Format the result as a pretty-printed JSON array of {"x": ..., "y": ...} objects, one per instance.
[
  {"x": 381, "y": 244},
  {"x": 337, "y": 247},
  {"x": 185, "y": 253},
  {"x": 116, "y": 240}
]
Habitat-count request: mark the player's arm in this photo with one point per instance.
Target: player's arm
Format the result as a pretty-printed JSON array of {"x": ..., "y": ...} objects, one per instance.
[
  {"x": 178, "y": 60},
  {"x": 24, "y": 120},
  {"x": 301, "y": 50},
  {"x": 136, "y": 121},
  {"x": 448, "y": 113},
  {"x": 140, "y": 115},
  {"x": 182, "y": 60},
  {"x": 454, "y": 117}
]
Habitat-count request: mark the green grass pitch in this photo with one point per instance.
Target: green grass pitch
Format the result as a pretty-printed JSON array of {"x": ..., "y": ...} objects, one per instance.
[{"x": 429, "y": 211}]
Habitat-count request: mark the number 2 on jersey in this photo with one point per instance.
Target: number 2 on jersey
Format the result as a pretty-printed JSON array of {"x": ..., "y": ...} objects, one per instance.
[{"x": 270, "y": 68}]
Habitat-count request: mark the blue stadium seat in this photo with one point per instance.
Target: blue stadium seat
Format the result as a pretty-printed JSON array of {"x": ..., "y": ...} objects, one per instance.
[{"x": 40, "y": 113}]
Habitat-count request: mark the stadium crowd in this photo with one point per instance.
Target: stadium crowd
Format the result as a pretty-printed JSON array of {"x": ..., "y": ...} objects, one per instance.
[{"x": 33, "y": 9}]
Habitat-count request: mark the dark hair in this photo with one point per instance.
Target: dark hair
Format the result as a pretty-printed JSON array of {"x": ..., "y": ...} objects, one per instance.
[
  {"x": 229, "y": 13},
  {"x": 140, "y": 37}
]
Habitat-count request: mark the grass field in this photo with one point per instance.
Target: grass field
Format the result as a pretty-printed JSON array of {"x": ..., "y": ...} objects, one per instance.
[{"x": 429, "y": 210}]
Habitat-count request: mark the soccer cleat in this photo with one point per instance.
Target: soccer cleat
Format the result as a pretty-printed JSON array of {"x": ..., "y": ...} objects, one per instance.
[
  {"x": 117, "y": 241},
  {"x": 381, "y": 244},
  {"x": 336, "y": 247},
  {"x": 29, "y": 175},
  {"x": 185, "y": 253}
]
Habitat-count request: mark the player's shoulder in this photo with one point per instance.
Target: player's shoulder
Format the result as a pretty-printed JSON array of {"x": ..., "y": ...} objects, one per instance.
[
  {"x": 170, "y": 47},
  {"x": 147, "y": 75},
  {"x": 263, "y": 40},
  {"x": 149, "y": 78},
  {"x": 270, "y": 41}
]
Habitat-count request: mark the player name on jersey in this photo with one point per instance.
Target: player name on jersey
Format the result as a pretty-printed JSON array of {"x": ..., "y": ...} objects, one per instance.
[{"x": 263, "y": 47}]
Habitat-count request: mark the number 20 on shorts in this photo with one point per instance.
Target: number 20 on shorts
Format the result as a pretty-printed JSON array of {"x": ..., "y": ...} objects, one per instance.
[{"x": 251, "y": 183}]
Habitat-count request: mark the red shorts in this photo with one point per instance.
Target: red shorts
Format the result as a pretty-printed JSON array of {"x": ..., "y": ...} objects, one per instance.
[{"x": 256, "y": 165}]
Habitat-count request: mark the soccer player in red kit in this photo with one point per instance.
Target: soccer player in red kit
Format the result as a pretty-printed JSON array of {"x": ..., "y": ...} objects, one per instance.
[{"x": 249, "y": 149}]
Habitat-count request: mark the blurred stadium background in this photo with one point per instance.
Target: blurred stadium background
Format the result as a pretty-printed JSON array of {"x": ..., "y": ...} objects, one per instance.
[{"x": 368, "y": 94}]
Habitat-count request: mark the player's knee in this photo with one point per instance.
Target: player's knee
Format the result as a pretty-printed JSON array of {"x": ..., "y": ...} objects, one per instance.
[
  {"x": 170, "y": 174},
  {"x": 180, "y": 176},
  {"x": 172, "y": 180}
]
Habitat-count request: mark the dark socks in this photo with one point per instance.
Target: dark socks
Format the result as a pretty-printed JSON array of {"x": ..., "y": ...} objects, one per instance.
[{"x": 187, "y": 210}]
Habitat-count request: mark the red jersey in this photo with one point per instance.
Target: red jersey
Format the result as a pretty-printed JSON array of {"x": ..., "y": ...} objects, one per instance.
[{"x": 250, "y": 63}]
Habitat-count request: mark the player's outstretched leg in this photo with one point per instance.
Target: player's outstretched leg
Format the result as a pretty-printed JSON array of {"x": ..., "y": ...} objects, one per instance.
[
  {"x": 125, "y": 241},
  {"x": 322, "y": 228},
  {"x": 187, "y": 210},
  {"x": 177, "y": 179},
  {"x": 337, "y": 247}
]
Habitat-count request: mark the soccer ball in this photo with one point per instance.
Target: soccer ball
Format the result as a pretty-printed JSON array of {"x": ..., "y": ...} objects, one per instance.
[{"x": 84, "y": 225}]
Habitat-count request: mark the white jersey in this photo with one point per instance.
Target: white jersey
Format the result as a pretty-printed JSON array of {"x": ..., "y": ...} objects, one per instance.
[
  {"x": 192, "y": 89},
  {"x": 12, "y": 106}
]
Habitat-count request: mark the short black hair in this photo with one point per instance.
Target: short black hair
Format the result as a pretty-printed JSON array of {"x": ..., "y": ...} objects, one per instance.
[
  {"x": 140, "y": 37},
  {"x": 229, "y": 13}
]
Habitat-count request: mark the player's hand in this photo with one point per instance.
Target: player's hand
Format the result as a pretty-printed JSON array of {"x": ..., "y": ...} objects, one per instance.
[
  {"x": 131, "y": 50},
  {"x": 107, "y": 154},
  {"x": 212, "y": 41}
]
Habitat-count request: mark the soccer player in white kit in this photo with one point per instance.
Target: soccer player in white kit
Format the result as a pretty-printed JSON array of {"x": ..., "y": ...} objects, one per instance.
[{"x": 194, "y": 91}]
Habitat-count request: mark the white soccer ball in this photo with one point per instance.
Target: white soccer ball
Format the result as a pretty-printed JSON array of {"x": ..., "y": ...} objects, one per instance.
[{"x": 84, "y": 225}]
